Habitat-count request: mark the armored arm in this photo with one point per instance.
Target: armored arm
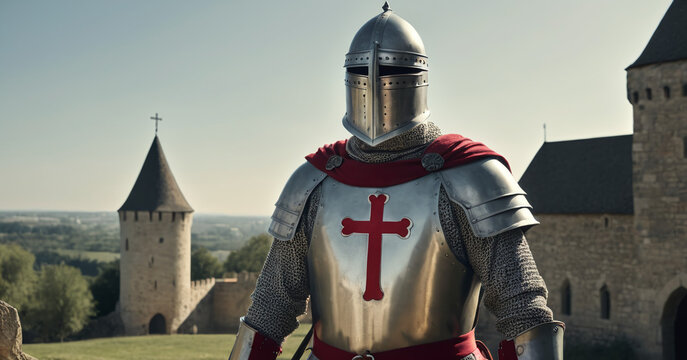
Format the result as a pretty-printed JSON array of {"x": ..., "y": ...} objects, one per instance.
[
  {"x": 282, "y": 288},
  {"x": 542, "y": 342},
  {"x": 491, "y": 213}
]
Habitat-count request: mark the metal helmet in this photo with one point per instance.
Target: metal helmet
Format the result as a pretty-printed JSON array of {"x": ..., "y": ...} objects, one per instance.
[{"x": 386, "y": 79}]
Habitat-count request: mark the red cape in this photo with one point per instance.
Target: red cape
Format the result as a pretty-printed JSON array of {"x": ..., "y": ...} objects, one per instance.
[{"x": 455, "y": 149}]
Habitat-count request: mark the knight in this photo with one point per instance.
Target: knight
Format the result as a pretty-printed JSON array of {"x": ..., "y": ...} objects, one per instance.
[{"x": 396, "y": 234}]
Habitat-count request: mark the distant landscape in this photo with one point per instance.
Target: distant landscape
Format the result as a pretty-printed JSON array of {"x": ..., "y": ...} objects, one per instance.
[{"x": 95, "y": 235}]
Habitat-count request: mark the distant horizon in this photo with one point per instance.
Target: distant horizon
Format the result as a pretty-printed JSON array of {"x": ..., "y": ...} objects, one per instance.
[{"x": 195, "y": 213}]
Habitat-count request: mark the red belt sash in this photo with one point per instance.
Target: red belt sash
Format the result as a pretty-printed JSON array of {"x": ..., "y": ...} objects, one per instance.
[{"x": 454, "y": 348}]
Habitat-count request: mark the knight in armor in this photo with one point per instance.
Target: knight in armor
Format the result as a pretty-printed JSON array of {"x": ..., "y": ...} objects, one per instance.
[{"x": 399, "y": 232}]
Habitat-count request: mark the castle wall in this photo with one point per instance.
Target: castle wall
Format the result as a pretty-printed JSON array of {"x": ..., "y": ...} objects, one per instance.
[
  {"x": 586, "y": 251},
  {"x": 155, "y": 265},
  {"x": 660, "y": 190},
  {"x": 231, "y": 299}
]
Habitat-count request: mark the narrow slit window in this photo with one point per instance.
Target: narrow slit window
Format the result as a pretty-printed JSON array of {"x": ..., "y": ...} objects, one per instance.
[
  {"x": 135, "y": 215},
  {"x": 648, "y": 94},
  {"x": 566, "y": 299},
  {"x": 666, "y": 92},
  {"x": 605, "y": 297},
  {"x": 635, "y": 97},
  {"x": 684, "y": 90},
  {"x": 126, "y": 244},
  {"x": 684, "y": 146}
]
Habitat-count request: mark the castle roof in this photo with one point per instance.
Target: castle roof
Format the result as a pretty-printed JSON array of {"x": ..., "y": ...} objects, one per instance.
[
  {"x": 588, "y": 176},
  {"x": 669, "y": 42},
  {"x": 155, "y": 188}
]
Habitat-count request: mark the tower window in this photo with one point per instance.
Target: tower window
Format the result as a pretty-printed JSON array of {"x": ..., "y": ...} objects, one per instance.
[
  {"x": 605, "y": 296},
  {"x": 159, "y": 216},
  {"x": 135, "y": 215},
  {"x": 183, "y": 216},
  {"x": 124, "y": 215},
  {"x": 126, "y": 245},
  {"x": 155, "y": 285},
  {"x": 684, "y": 146},
  {"x": 666, "y": 92},
  {"x": 173, "y": 216},
  {"x": 150, "y": 216},
  {"x": 566, "y": 298},
  {"x": 606, "y": 222},
  {"x": 648, "y": 93},
  {"x": 162, "y": 240},
  {"x": 684, "y": 89},
  {"x": 635, "y": 97}
]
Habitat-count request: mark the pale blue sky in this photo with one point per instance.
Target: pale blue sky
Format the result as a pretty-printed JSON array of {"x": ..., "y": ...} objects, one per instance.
[{"x": 247, "y": 88}]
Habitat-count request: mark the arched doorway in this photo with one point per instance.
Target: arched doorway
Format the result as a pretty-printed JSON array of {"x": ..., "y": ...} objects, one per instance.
[
  {"x": 157, "y": 325},
  {"x": 674, "y": 325},
  {"x": 681, "y": 330}
]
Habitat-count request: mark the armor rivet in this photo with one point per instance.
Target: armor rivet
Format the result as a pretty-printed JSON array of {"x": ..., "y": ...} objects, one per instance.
[
  {"x": 432, "y": 162},
  {"x": 520, "y": 349},
  {"x": 333, "y": 162},
  {"x": 474, "y": 221}
]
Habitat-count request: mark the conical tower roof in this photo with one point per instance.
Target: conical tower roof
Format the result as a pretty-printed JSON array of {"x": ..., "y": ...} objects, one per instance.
[
  {"x": 156, "y": 189},
  {"x": 669, "y": 42}
]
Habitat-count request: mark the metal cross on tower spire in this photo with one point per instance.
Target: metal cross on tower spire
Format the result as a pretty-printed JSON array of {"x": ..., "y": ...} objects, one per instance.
[{"x": 156, "y": 118}]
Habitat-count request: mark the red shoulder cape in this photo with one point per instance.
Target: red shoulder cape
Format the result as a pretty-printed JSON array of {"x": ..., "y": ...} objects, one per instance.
[{"x": 455, "y": 149}]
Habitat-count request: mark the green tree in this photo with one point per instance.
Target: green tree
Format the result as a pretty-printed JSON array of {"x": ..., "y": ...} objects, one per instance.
[
  {"x": 63, "y": 302},
  {"x": 204, "y": 265},
  {"x": 105, "y": 289},
  {"x": 251, "y": 256},
  {"x": 17, "y": 277}
]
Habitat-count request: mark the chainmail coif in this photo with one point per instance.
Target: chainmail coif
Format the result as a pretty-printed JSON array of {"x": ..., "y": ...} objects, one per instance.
[{"x": 513, "y": 289}]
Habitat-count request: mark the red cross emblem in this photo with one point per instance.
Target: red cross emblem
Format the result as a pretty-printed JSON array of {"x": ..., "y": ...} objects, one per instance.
[{"x": 374, "y": 228}]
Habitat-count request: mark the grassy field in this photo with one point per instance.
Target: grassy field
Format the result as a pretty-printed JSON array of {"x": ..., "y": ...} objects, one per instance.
[{"x": 152, "y": 347}]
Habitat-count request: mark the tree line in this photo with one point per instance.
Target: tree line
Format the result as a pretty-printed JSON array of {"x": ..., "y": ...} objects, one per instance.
[{"x": 55, "y": 300}]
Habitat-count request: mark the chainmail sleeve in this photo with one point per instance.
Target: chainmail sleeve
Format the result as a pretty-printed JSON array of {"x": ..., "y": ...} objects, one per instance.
[
  {"x": 282, "y": 289},
  {"x": 513, "y": 289}
]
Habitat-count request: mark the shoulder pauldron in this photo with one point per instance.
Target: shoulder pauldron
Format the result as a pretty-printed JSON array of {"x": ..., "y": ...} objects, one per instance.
[
  {"x": 292, "y": 200},
  {"x": 492, "y": 199}
]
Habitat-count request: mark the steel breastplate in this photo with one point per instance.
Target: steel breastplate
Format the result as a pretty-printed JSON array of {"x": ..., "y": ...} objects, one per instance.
[{"x": 382, "y": 276}]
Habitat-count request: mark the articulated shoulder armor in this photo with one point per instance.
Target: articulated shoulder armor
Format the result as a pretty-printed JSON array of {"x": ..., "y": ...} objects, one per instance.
[
  {"x": 542, "y": 342},
  {"x": 292, "y": 200},
  {"x": 492, "y": 199}
]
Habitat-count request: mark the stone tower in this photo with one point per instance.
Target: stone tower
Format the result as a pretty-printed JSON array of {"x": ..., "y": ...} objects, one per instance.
[
  {"x": 657, "y": 89},
  {"x": 155, "y": 247}
]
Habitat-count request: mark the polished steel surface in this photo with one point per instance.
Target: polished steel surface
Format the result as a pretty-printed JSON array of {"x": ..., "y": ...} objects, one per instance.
[
  {"x": 542, "y": 342},
  {"x": 492, "y": 199},
  {"x": 379, "y": 106},
  {"x": 289, "y": 207},
  {"x": 243, "y": 343},
  {"x": 427, "y": 294}
]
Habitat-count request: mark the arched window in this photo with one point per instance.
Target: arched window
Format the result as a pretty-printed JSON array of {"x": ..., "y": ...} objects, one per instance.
[
  {"x": 566, "y": 298},
  {"x": 605, "y": 296}
]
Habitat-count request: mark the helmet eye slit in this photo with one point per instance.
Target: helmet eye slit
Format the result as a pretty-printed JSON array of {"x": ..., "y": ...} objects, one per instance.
[
  {"x": 397, "y": 70},
  {"x": 359, "y": 70}
]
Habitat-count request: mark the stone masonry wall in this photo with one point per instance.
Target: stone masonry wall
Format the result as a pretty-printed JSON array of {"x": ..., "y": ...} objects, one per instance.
[
  {"x": 589, "y": 251},
  {"x": 155, "y": 267},
  {"x": 660, "y": 192}
]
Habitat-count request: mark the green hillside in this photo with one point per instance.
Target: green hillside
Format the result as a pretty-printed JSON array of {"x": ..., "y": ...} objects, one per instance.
[{"x": 151, "y": 347}]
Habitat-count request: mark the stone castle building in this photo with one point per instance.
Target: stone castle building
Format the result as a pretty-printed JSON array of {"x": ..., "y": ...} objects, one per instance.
[
  {"x": 612, "y": 244},
  {"x": 156, "y": 292}
]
